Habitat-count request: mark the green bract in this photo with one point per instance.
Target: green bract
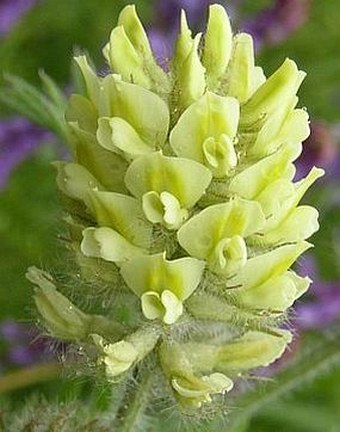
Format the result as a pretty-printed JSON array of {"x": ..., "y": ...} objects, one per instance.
[{"x": 182, "y": 206}]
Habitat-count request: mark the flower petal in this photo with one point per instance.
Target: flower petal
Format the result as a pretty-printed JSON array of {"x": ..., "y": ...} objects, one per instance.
[{"x": 184, "y": 179}]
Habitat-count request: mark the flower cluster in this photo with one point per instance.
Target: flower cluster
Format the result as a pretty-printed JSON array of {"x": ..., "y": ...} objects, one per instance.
[{"x": 181, "y": 201}]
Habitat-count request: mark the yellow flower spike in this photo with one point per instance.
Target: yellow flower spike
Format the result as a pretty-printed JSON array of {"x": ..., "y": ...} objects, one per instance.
[
  {"x": 242, "y": 64},
  {"x": 189, "y": 72},
  {"x": 181, "y": 200},
  {"x": 217, "y": 45}
]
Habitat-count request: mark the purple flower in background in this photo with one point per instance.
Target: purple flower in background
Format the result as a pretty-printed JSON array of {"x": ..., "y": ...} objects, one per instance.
[
  {"x": 324, "y": 306},
  {"x": 11, "y": 11},
  {"x": 22, "y": 346},
  {"x": 275, "y": 24},
  {"x": 320, "y": 150},
  {"x": 18, "y": 138},
  {"x": 269, "y": 27},
  {"x": 167, "y": 17}
]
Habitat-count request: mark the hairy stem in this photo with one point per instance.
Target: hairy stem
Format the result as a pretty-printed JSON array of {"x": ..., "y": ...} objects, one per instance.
[{"x": 130, "y": 416}]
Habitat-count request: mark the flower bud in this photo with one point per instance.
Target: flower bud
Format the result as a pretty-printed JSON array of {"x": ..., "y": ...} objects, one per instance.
[
  {"x": 188, "y": 69},
  {"x": 120, "y": 356},
  {"x": 217, "y": 44},
  {"x": 190, "y": 389},
  {"x": 62, "y": 318}
]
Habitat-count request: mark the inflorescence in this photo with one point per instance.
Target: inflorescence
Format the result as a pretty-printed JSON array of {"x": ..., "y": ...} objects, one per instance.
[{"x": 181, "y": 200}]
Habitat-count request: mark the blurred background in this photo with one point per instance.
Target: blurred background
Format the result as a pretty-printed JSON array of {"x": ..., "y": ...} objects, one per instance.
[{"x": 43, "y": 34}]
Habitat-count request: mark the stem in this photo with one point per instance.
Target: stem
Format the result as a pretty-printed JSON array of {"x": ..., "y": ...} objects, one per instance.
[
  {"x": 130, "y": 414},
  {"x": 29, "y": 376}
]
